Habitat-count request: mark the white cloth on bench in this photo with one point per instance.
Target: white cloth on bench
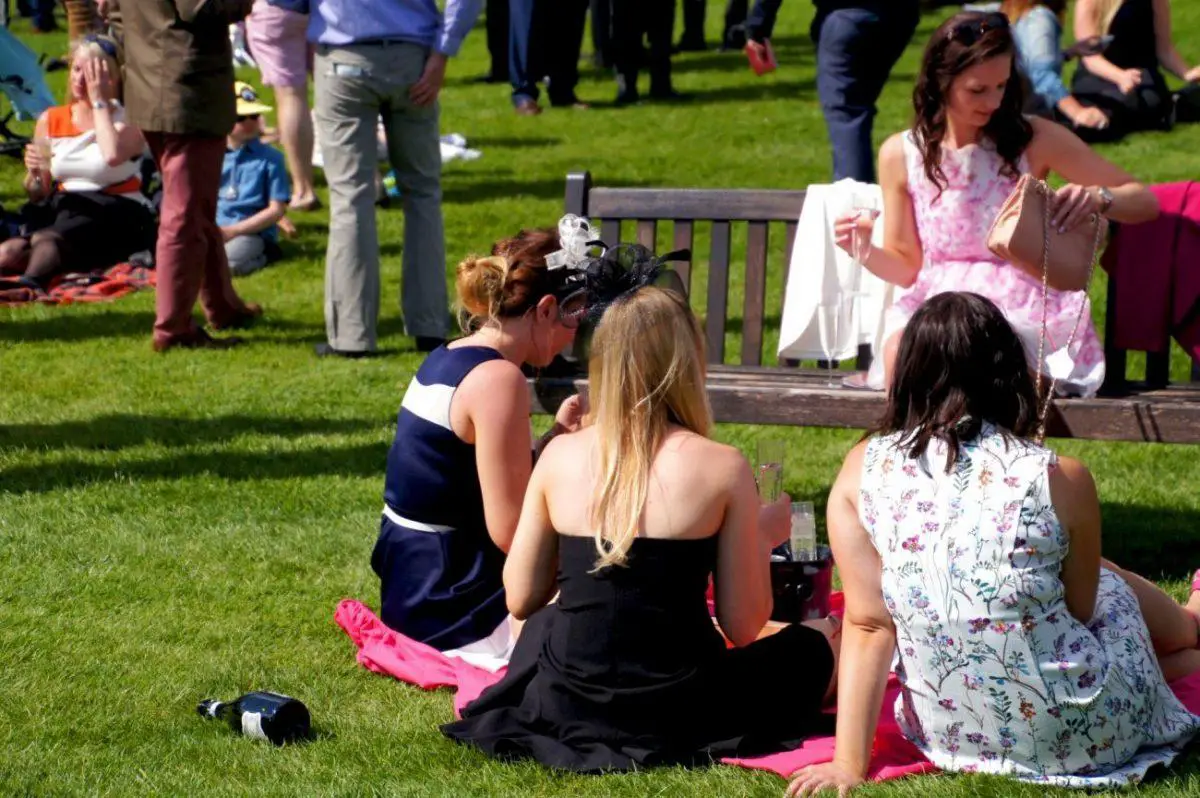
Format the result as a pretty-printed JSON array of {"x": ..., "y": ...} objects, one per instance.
[{"x": 819, "y": 267}]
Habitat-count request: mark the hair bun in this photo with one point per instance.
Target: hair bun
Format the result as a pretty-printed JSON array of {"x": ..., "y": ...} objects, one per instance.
[{"x": 480, "y": 284}]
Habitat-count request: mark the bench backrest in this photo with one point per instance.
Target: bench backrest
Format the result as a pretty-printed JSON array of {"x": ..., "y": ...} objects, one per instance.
[{"x": 684, "y": 207}]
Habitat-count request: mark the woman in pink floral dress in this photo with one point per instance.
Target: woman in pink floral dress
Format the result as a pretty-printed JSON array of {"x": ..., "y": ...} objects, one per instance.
[{"x": 944, "y": 182}]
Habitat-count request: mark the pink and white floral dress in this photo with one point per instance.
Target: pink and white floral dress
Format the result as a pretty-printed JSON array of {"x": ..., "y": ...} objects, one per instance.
[{"x": 953, "y": 228}]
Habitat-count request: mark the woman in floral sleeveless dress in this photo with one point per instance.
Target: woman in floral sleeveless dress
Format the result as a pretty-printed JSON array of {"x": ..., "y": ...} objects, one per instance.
[
  {"x": 972, "y": 554},
  {"x": 945, "y": 180}
]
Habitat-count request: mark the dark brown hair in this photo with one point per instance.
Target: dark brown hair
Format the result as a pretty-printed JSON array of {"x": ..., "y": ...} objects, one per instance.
[
  {"x": 961, "y": 42},
  {"x": 960, "y": 364},
  {"x": 511, "y": 281}
]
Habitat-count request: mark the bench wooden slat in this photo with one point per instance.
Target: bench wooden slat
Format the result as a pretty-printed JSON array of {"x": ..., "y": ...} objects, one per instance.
[
  {"x": 647, "y": 233},
  {"x": 739, "y": 205},
  {"x": 756, "y": 294},
  {"x": 610, "y": 231},
  {"x": 718, "y": 292},
  {"x": 682, "y": 239}
]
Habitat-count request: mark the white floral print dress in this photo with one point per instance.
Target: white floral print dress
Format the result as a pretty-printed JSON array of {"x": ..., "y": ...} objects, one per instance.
[{"x": 997, "y": 676}]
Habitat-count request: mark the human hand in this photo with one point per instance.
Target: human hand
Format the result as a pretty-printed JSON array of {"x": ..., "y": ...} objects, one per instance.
[
  {"x": 571, "y": 412},
  {"x": 103, "y": 7},
  {"x": 99, "y": 80},
  {"x": 1128, "y": 80},
  {"x": 852, "y": 227},
  {"x": 1192, "y": 75},
  {"x": 35, "y": 161},
  {"x": 287, "y": 227},
  {"x": 775, "y": 520},
  {"x": 228, "y": 233},
  {"x": 1091, "y": 117},
  {"x": 815, "y": 778},
  {"x": 1071, "y": 206},
  {"x": 425, "y": 90}
]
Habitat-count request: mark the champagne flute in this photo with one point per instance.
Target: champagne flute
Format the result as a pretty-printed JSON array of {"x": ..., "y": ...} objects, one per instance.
[
  {"x": 768, "y": 469},
  {"x": 802, "y": 537},
  {"x": 865, "y": 211},
  {"x": 829, "y": 313}
]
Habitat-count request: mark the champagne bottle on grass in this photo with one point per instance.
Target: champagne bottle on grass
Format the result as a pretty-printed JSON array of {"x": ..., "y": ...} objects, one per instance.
[{"x": 262, "y": 715}]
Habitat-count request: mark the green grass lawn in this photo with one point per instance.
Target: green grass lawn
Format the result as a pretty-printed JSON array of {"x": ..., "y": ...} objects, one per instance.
[{"x": 182, "y": 526}]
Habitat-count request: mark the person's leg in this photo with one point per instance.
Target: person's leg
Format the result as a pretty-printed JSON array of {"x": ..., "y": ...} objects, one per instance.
[
  {"x": 347, "y": 113},
  {"x": 602, "y": 39},
  {"x": 694, "y": 12},
  {"x": 180, "y": 244},
  {"x": 296, "y": 135},
  {"x": 733, "y": 35},
  {"x": 14, "y": 255},
  {"x": 415, "y": 154},
  {"x": 82, "y": 18},
  {"x": 660, "y": 26},
  {"x": 628, "y": 17},
  {"x": 522, "y": 66},
  {"x": 497, "y": 40},
  {"x": 566, "y": 19},
  {"x": 760, "y": 23},
  {"x": 46, "y": 259},
  {"x": 1172, "y": 627},
  {"x": 246, "y": 254}
]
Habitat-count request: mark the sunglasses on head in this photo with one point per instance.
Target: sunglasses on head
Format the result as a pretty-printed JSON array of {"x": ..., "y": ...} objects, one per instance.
[
  {"x": 972, "y": 30},
  {"x": 106, "y": 45}
]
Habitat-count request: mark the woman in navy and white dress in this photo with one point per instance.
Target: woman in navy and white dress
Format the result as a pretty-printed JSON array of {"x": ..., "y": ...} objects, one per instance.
[{"x": 462, "y": 456}]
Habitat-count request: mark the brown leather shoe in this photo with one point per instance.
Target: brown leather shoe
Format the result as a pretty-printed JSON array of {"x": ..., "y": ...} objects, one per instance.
[
  {"x": 197, "y": 339},
  {"x": 527, "y": 107},
  {"x": 241, "y": 321}
]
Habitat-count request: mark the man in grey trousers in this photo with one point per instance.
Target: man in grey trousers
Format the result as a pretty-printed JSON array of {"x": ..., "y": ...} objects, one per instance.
[{"x": 383, "y": 58}]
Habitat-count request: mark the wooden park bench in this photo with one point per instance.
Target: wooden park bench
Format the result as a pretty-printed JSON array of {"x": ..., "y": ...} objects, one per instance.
[{"x": 760, "y": 390}]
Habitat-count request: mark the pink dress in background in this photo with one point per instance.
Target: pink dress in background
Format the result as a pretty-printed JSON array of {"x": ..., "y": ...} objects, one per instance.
[{"x": 953, "y": 229}]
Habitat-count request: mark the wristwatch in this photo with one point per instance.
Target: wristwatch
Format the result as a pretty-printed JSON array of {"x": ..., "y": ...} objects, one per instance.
[
  {"x": 1106, "y": 199},
  {"x": 99, "y": 105}
]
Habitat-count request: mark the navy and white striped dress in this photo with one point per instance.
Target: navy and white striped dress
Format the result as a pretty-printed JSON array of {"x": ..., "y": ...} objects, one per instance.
[{"x": 440, "y": 572}]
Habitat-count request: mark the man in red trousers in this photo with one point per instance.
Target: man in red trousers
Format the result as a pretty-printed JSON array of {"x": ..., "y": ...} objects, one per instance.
[{"x": 179, "y": 92}]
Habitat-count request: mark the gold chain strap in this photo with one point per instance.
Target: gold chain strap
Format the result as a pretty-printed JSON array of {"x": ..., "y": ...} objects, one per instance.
[{"x": 1083, "y": 303}]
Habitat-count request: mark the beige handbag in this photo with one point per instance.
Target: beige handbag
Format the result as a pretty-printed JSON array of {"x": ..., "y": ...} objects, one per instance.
[{"x": 1022, "y": 236}]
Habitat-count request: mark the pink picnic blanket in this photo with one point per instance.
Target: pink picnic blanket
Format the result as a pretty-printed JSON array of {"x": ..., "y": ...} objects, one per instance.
[{"x": 384, "y": 651}]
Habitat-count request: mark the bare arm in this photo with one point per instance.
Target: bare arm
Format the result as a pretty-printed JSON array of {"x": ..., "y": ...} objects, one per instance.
[
  {"x": 742, "y": 582},
  {"x": 263, "y": 220},
  {"x": 899, "y": 260},
  {"x": 1073, "y": 492},
  {"x": 1168, "y": 57},
  {"x": 38, "y": 182},
  {"x": 529, "y": 571},
  {"x": 868, "y": 643},
  {"x": 495, "y": 399},
  {"x": 1057, "y": 149}
]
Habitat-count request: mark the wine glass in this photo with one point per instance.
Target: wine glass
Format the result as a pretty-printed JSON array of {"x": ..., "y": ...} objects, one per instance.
[
  {"x": 46, "y": 152},
  {"x": 829, "y": 317},
  {"x": 865, "y": 211},
  {"x": 802, "y": 537},
  {"x": 768, "y": 469}
]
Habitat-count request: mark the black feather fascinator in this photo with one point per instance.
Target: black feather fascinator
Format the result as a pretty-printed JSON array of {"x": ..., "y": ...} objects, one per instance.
[{"x": 622, "y": 270}]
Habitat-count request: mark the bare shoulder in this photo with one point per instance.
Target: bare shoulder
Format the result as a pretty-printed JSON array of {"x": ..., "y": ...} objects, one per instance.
[
  {"x": 1072, "y": 490},
  {"x": 495, "y": 385},
  {"x": 893, "y": 166}
]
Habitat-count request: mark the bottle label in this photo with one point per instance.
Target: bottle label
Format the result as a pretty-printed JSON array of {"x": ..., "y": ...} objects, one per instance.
[{"x": 252, "y": 725}]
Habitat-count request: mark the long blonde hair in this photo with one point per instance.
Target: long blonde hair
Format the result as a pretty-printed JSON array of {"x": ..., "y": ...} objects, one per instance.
[
  {"x": 646, "y": 371},
  {"x": 1103, "y": 14}
]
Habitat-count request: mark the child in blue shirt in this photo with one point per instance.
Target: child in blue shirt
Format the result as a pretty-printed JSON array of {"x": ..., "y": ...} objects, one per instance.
[{"x": 255, "y": 189}]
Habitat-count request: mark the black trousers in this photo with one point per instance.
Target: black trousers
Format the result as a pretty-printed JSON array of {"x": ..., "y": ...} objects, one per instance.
[
  {"x": 633, "y": 20},
  {"x": 497, "y": 38},
  {"x": 602, "y": 47},
  {"x": 545, "y": 37}
]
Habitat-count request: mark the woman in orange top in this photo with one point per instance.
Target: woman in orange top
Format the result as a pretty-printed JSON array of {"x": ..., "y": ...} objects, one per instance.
[{"x": 83, "y": 177}]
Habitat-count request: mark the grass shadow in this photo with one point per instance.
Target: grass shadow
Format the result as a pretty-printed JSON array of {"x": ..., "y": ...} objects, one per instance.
[
  {"x": 122, "y": 430},
  {"x": 73, "y": 326},
  {"x": 358, "y": 460}
]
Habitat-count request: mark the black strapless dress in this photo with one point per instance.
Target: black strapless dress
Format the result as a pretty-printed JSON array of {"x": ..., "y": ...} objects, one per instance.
[{"x": 627, "y": 670}]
